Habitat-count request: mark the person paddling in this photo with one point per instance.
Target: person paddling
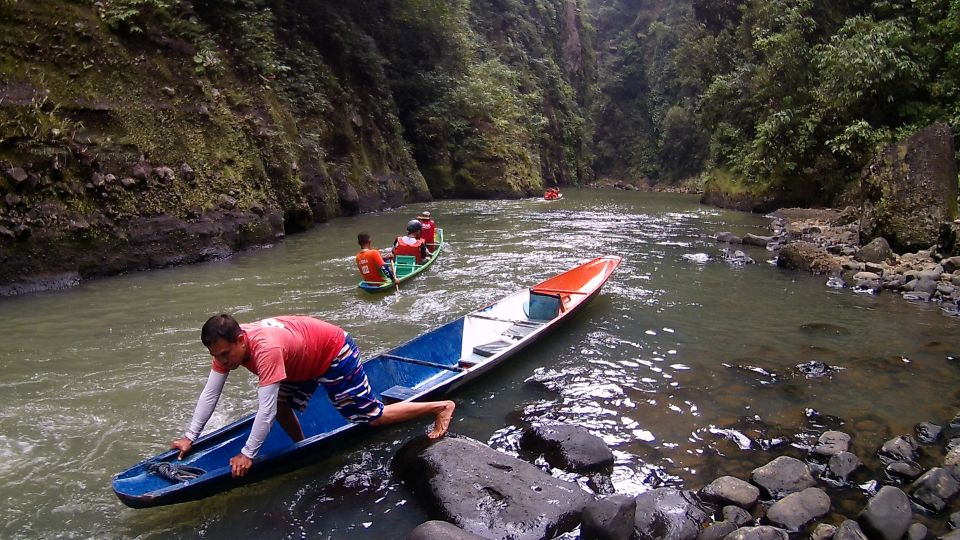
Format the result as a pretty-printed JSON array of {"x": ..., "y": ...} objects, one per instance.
[
  {"x": 291, "y": 356},
  {"x": 370, "y": 262}
]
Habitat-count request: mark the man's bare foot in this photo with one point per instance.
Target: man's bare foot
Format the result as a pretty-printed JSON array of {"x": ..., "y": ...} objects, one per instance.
[{"x": 442, "y": 422}]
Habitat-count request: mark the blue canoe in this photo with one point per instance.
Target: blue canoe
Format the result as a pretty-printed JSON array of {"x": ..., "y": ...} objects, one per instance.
[
  {"x": 426, "y": 367},
  {"x": 406, "y": 267}
]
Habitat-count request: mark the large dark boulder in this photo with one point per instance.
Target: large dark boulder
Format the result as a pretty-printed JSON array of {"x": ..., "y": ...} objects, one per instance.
[
  {"x": 609, "y": 519},
  {"x": 570, "y": 448},
  {"x": 668, "y": 514},
  {"x": 763, "y": 532},
  {"x": 887, "y": 515},
  {"x": 487, "y": 492},
  {"x": 934, "y": 489},
  {"x": 441, "y": 530},
  {"x": 730, "y": 490},
  {"x": 797, "y": 509},
  {"x": 911, "y": 189},
  {"x": 783, "y": 476}
]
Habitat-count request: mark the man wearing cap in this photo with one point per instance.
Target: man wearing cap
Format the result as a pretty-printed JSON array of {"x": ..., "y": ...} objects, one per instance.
[
  {"x": 411, "y": 243},
  {"x": 428, "y": 230}
]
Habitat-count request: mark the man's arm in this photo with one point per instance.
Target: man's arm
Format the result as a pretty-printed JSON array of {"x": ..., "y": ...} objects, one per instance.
[
  {"x": 266, "y": 412},
  {"x": 206, "y": 404}
]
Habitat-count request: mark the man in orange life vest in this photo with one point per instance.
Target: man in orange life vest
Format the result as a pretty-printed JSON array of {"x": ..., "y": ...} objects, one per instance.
[
  {"x": 370, "y": 262},
  {"x": 429, "y": 230},
  {"x": 411, "y": 243}
]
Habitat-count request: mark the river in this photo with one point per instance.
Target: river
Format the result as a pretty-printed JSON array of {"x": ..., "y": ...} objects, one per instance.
[{"x": 686, "y": 369}]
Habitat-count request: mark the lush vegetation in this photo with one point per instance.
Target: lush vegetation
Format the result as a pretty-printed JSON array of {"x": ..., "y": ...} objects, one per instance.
[{"x": 789, "y": 97}]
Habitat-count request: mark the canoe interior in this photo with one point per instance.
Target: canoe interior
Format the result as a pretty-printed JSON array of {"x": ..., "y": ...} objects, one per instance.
[{"x": 428, "y": 365}]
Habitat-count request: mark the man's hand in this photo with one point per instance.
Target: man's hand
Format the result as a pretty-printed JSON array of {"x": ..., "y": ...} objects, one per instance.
[
  {"x": 239, "y": 465},
  {"x": 183, "y": 444}
]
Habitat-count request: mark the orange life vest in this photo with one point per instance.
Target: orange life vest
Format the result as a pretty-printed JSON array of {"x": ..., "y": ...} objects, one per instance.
[
  {"x": 369, "y": 262},
  {"x": 403, "y": 246}
]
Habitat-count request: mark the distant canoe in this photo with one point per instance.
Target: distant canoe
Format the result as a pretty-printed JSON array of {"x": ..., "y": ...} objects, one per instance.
[
  {"x": 406, "y": 268},
  {"x": 424, "y": 368}
]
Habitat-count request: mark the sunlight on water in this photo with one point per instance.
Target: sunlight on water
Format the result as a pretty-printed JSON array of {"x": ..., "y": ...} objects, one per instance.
[{"x": 687, "y": 366}]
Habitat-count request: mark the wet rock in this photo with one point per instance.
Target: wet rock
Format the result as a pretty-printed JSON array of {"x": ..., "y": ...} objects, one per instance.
[
  {"x": 441, "y": 530},
  {"x": 610, "y": 518},
  {"x": 763, "y": 532},
  {"x": 928, "y": 432},
  {"x": 782, "y": 476},
  {"x": 754, "y": 240},
  {"x": 729, "y": 238},
  {"x": 187, "y": 173},
  {"x": 953, "y": 444},
  {"x": 887, "y": 514},
  {"x": 735, "y": 514},
  {"x": 902, "y": 448},
  {"x": 797, "y": 509},
  {"x": 952, "y": 535},
  {"x": 807, "y": 257},
  {"x": 736, "y": 257},
  {"x": 876, "y": 251},
  {"x": 907, "y": 470},
  {"x": 487, "y": 492},
  {"x": 831, "y": 443},
  {"x": 849, "y": 530},
  {"x": 730, "y": 490},
  {"x": 917, "y": 531},
  {"x": 934, "y": 489},
  {"x": 841, "y": 466},
  {"x": 866, "y": 279},
  {"x": 570, "y": 448},
  {"x": 668, "y": 514},
  {"x": 921, "y": 286},
  {"x": 717, "y": 530},
  {"x": 823, "y": 531},
  {"x": 814, "y": 369},
  {"x": 951, "y": 461},
  {"x": 954, "y": 521}
]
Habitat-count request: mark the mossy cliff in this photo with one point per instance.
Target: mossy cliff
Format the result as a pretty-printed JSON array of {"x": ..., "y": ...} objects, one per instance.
[{"x": 143, "y": 133}]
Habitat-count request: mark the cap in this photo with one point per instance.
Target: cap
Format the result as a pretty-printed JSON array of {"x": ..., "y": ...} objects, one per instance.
[{"x": 424, "y": 215}]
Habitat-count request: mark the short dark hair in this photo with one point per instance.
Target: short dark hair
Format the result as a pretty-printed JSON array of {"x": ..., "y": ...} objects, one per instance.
[
  {"x": 218, "y": 327},
  {"x": 363, "y": 239}
]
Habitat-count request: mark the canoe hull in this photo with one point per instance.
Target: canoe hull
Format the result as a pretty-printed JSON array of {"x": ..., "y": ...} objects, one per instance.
[{"x": 426, "y": 367}]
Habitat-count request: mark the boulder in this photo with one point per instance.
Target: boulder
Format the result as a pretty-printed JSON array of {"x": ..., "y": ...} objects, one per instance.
[
  {"x": 842, "y": 465},
  {"x": 735, "y": 514},
  {"x": 908, "y": 470},
  {"x": 807, "y": 257},
  {"x": 729, "y": 238},
  {"x": 902, "y": 448},
  {"x": 934, "y": 489},
  {"x": 487, "y": 492},
  {"x": 928, "y": 432},
  {"x": 823, "y": 531},
  {"x": 849, "y": 530},
  {"x": 668, "y": 514},
  {"x": 797, "y": 509},
  {"x": 441, "y": 530},
  {"x": 876, "y": 251},
  {"x": 917, "y": 531},
  {"x": 610, "y": 518},
  {"x": 783, "y": 476},
  {"x": 887, "y": 515},
  {"x": 911, "y": 189},
  {"x": 730, "y": 490},
  {"x": 831, "y": 443},
  {"x": 570, "y": 448},
  {"x": 754, "y": 240},
  {"x": 763, "y": 532},
  {"x": 717, "y": 530}
]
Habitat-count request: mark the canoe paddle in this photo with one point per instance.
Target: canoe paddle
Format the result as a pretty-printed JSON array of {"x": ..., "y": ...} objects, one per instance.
[{"x": 396, "y": 280}]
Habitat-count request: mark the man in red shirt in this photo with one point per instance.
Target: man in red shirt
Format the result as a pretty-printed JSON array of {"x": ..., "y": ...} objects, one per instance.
[{"x": 291, "y": 356}]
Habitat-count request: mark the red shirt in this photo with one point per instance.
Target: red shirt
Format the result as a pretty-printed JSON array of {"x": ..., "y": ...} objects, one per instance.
[
  {"x": 289, "y": 348},
  {"x": 428, "y": 231}
]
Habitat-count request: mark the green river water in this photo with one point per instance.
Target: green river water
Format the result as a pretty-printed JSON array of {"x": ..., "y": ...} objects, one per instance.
[{"x": 684, "y": 368}]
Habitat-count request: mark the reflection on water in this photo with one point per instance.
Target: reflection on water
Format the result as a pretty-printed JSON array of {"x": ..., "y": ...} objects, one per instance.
[{"x": 687, "y": 366}]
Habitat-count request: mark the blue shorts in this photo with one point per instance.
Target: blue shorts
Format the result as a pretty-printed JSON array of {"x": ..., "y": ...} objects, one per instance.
[{"x": 346, "y": 385}]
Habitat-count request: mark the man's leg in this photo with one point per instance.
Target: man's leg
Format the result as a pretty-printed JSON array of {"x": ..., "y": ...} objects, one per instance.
[
  {"x": 288, "y": 421},
  {"x": 442, "y": 412}
]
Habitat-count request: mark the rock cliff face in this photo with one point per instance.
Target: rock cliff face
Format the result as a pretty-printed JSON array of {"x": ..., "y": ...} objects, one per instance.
[
  {"x": 139, "y": 134},
  {"x": 910, "y": 190}
]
